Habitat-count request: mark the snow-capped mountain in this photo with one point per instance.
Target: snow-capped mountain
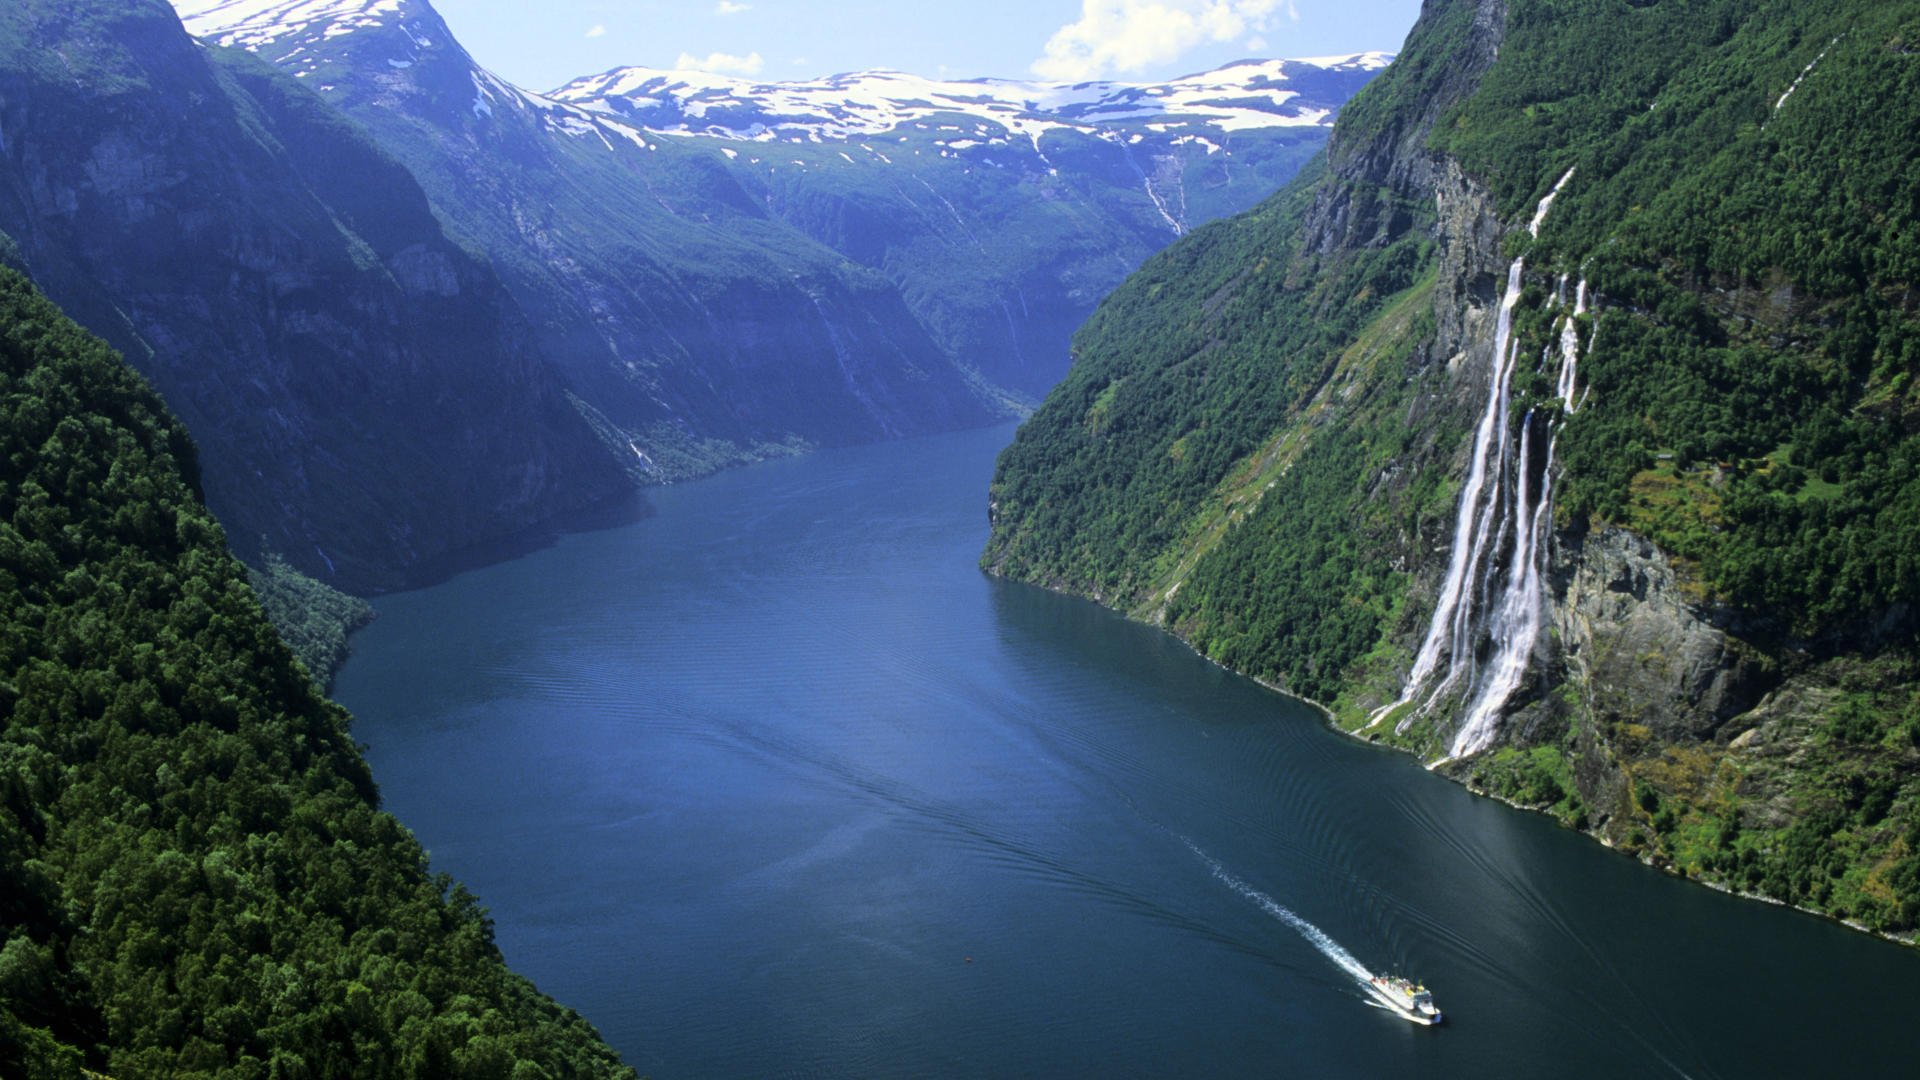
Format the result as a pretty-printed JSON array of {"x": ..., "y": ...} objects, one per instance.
[
  {"x": 340, "y": 46},
  {"x": 252, "y": 24},
  {"x": 694, "y": 328},
  {"x": 620, "y": 206},
  {"x": 1163, "y": 157},
  {"x": 285, "y": 284},
  {"x": 1248, "y": 95}
]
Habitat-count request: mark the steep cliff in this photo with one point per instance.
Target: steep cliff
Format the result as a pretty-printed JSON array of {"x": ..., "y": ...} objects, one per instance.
[
  {"x": 195, "y": 877},
  {"x": 364, "y": 389},
  {"x": 1561, "y": 429}
]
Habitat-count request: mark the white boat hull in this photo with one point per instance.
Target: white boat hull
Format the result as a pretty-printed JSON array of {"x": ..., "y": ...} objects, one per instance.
[{"x": 1388, "y": 1002}]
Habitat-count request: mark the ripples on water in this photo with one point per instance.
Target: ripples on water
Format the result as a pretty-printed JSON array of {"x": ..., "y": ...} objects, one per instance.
[{"x": 775, "y": 783}]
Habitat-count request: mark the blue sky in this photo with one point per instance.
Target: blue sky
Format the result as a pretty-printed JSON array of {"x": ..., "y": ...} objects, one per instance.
[{"x": 543, "y": 45}]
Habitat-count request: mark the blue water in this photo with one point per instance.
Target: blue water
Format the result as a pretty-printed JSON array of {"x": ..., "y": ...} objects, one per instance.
[{"x": 776, "y": 783}]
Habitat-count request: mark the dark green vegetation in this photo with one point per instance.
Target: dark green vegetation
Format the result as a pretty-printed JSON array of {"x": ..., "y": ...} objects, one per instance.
[
  {"x": 1175, "y": 393},
  {"x": 1756, "y": 404},
  {"x": 1261, "y": 441},
  {"x": 194, "y": 877},
  {"x": 311, "y": 618},
  {"x": 362, "y": 386}
]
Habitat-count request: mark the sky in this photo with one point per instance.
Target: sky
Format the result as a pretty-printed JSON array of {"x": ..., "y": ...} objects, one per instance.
[{"x": 542, "y": 45}]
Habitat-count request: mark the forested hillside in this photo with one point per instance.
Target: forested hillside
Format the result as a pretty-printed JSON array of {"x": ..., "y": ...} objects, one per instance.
[
  {"x": 1667, "y": 252},
  {"x": 195, "y": 878}
]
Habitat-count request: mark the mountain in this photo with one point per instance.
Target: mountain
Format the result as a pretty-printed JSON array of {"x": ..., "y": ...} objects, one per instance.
[
  {"x": 1559, "y": 427},
  {"x": 1003, "y": 210},
  {"x": 693, "y": 329},
  {"x": 1219, "y": 106},
  {"x": 674, "y": 266},
  {"x": 364, "y": 389},
  {"x": 195, "y": 878}
]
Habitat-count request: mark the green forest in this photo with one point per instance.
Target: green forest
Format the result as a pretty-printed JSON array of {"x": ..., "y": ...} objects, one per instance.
[
  {"x": 1755, "y": 404},
  {"x": 195, "y": 875},
  {"x": 1258, "y": 446}
]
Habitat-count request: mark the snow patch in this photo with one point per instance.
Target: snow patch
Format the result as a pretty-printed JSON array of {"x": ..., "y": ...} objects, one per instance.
[
  {"x": 252, "y": 24},
  {"x": 1239, "y": 97}
]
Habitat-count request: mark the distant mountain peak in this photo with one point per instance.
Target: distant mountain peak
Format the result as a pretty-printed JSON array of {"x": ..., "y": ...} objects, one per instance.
[
  {"x": 1246, "y": 94},
  {"x": 307, "y": 37}
]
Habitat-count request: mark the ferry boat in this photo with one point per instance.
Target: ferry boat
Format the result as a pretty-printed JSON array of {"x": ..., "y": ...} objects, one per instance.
[{"x": 1406, "y": 997}]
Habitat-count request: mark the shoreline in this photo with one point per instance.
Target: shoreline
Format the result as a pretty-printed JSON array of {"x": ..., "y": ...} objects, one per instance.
[{"x": 1331, "y": 720}]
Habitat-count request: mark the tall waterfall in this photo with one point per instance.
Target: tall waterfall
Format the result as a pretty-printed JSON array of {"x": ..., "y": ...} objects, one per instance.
[{"x": 1494, "y": 593}]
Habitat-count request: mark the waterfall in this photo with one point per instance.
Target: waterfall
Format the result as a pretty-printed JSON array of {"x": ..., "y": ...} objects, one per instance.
[
  {"x": 1514, "y": 625},
  {"x": 1806, "y": 71},
  {"x": 1451, "y": 612},
  {"x": 849, "y": 370},
  {"x": 1570, "y": 351},
  {"x": 1546, "y": 204},
  {"x": 1499, "y": 514}
]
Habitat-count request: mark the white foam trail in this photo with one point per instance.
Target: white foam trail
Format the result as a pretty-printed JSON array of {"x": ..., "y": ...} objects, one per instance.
[{"x": 1315, "y": 936}]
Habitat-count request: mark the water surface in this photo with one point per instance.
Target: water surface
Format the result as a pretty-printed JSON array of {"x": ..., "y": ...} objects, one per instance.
[{"x": 776, "y": 783}]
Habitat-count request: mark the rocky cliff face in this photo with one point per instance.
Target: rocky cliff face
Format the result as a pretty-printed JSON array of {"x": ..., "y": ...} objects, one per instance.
[
  {"x": 1641, "y": 649},
  {"x": 285, "y": 286}
]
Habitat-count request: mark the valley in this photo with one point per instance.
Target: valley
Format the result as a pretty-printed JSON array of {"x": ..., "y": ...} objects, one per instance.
[{"x": 888, "y": 573}]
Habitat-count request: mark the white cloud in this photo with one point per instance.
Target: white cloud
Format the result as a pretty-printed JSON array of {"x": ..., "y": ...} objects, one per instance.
[
  {"x": 597, "y": 31},
  {"x": 728, "y": 7},
  {"x": 721, "y": 63},
  {"x": 1118, "y": 36}
]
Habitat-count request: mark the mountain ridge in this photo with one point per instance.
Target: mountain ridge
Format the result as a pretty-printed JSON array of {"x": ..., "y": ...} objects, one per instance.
[
  {"x": 287, "y": 287},
  {"x": 1001, "y": 253},
  {"x": 876, "y": 102}
]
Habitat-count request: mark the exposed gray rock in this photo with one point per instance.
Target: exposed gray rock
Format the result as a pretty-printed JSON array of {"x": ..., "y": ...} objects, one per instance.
[{"x": 1643, "y": 652}]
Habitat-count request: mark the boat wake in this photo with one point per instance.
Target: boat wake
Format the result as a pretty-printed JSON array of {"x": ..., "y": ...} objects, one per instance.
[{"x": 1315, "y": 936}]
